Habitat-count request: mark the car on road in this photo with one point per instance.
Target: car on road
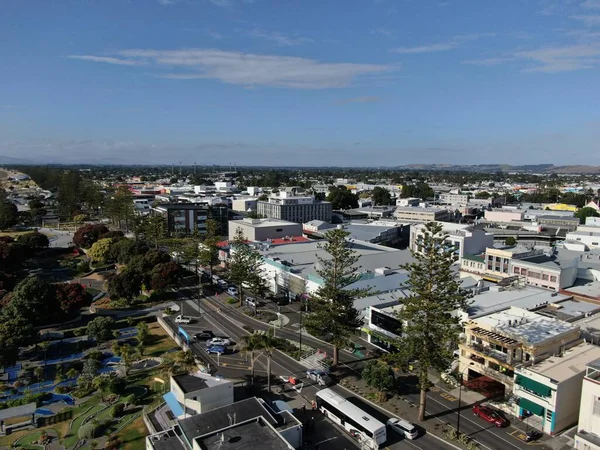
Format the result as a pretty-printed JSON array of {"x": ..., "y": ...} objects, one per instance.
[
  {"x": 218, "y": 341},
  {"x": 205, "y": 334},
  {"x": 403, "y": 428},
  {"x": 217, "y": 349},
  {"x": 251, "y": 301},
  {"x": 320, "y": 376},
  {"x": 222, "y": 284},
  {"x": 490, "y": 415},
  {"x": 232, "y": 290},
  {"x": 184, "y": 319}
]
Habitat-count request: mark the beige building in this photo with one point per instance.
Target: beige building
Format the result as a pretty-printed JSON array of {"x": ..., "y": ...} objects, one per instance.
[
  {"x": 496, "y": 344},
  {"x": 263, "y": 229},
  {"x": 421, "y": 214}
]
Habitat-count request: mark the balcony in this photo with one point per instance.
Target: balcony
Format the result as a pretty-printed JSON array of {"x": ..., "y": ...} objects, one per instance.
[{"x": 487, "y": 351}]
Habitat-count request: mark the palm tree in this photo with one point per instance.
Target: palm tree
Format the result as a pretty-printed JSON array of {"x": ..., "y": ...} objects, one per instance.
[
  {"x": 45, "y": 346},
  {"x": 142, "y": 336},
  {"x": 266, "y": 344},
  {"x": 72, "y": 373},
  {"x": 127, "y": 357},
  {"x": 185, "y": 359},
  {"x": 100, "y": 384},
  {"x": 248, "y": 345},
  {"x": 38, "y": 372}
]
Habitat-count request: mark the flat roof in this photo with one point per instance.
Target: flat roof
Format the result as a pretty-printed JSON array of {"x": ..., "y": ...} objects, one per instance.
[
  {"x": 219, "y": 418},
  {"x": 167, "y": 440},
  {"x": 569, "y": 310},
  {"x": 525, "y": 326},
  {"x": 197, "y": 381},
  {"x": 264, "y": 223},
  {"x": 419, "y": 209},
  {"x": 256, "y": 434},
  {"x": 573, "y": 362},
  {"x": 496, "y": 299}
]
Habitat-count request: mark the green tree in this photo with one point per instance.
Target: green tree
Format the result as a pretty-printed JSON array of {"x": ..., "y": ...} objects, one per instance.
[
  {"x": 72, "y": 373},
  {"x": 101, "y": 329},
  {"x": 239, "y": 265},
  {"x": 209, "y": 250},
  {"x": 333, "y": 304},
  {"x": 100, "y": 383},
  {"x": 35, "y": 300},
  {"x": 380, "y": 376},
  {"x": 15, "y": 331},
  {"x": 128, "y": 355},
  {"x": 420, "y": 190},
  {"x": 100, "y": 250},
  {"x": 341, "y": 198},
  {"x": 586, "y": 212},
  {"x": 510, "y": 240},
  {"x": 35, "y": 241},
  {"x": 248, "y": 345},
  {"x": 44, "y": 345},
  {"x": 126, "y": 285},
  {"x": 483, "y": 195},
  {"x": 185, "y": 360},
  {"x": 430, "y": 326},
  {"x": 142, "y": 336},
  {"x": 381, "y": 196},
  {"x": 120, "y": 207},
  {"x": 39, "y": 373},
  {"x": 266, "y": 344},
  {"x": 8, "y": 212},
  {"x": 154, "y": 229}
]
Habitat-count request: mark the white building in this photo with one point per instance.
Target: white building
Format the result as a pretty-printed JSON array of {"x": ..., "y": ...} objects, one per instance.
[
  {"x": 551, "y": 389},
  {"x": 465, "y": 238},
  {"x": 588, "y": 234},
  {"x": 263, "y": 229},
  {"x": 197, "y": 394},
  {"x": 588, "y": 429},
  {"x": 454, "y": 199}
]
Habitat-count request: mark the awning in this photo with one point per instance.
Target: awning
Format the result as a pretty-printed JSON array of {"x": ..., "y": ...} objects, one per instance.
[
  {"x": 173, "y": 404},
  {"x": 533, "y": 386},
  {"x": 533, "y": 408}
]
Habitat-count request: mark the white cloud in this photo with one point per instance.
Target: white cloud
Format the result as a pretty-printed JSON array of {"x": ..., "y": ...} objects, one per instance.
[
  {"x": 383, "y": 32},
  {"x": 279, "y": 38},
  {"x": 591, "y": 4},
  {"x": 364, "y": 99},
  {"x": 488, "y": 62},
  {"x": 562, "y": 59},
  {"x": 589, "y": 20},
  {"x": 215, "y": 34},
  {"x": 451, "y": 44},
  {"x": 107, "y": 59},
  {"x": 245, "y": 69}
]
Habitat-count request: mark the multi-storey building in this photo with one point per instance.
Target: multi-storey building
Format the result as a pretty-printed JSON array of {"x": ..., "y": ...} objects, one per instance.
[
  {"x": 496, "y": 344},
  {"x": 454, "y": 199},
  {"x": 263, "y": 229},
  {"x": 187, "y": 218},
  {"x": 588, "y": 429},
  {"x": 464, "y": 238},
  {"x": 294, "y": 208},
  {"x": 421, "y": 213}
]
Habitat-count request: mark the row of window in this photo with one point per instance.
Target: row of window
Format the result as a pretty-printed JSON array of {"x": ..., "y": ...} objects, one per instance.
[{"x": 533, "y": 274}]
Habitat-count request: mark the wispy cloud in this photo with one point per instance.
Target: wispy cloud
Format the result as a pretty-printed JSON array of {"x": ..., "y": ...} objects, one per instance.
[
  {"x": 562, "y": 58},
  {"x": 215, "y": 34},
  {"x": 107, "y": 59},
  {"x": 488, "y": 62},
  {"x": 365, "y": 99},
  {"x": 591, "y": 4},
  {"x": 383, "y": 32},
  {"x": 452, "y": 43},
  {"x": 278, "y": 38},
  {"x": 589, "y": 20},
  {"x": 244, "y": 69}
]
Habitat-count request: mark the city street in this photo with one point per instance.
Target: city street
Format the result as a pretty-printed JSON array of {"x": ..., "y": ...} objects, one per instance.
[{"x": 441, "y": 406}]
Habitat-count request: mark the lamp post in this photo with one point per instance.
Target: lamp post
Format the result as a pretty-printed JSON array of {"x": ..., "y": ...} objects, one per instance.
[{"x": 460, "y": 385}]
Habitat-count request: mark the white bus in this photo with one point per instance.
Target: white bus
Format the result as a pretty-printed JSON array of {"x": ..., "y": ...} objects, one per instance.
[{"x": 354, "y": 420}]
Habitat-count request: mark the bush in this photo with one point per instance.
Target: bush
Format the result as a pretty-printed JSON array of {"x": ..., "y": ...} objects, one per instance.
[
  {"x": 88, "y": 430},
  {"x": 95, "y": 354},
  {"x": 232, "y": 301},
  {"x": 61, "y": 389},
  {"x": 83, "y": 267},
  {"x": 116, "y": 410}
]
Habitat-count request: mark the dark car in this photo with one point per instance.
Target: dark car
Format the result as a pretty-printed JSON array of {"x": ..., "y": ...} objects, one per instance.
[
  {"x": 490, "y": 415},
  {"x": 204, "y": 335},
  {"x": 220, "y": 349}
]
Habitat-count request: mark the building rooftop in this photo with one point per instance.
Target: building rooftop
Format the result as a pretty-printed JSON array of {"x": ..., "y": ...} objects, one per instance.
[
  {"x": 569, "y": 310},
  {"x": 197, "y": 381},
  {"x": 524, "y": 326},
  {"x": 495, "y": 299},
  {"x": 419, "y": 209},
  {"x": 255, "y": 434},
  {"x": 264, "y": 223},
  {"x": 168, "y": 440},
  {"x": 225, "y": 416},
  {"x": 571, "y": 363}
]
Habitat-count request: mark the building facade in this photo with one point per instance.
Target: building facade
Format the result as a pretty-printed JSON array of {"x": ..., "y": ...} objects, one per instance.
[
  {"x": 294, "y": 209},
  {"x": 421, "y": 214},
  {"x": 464, "y": 238},
  {"x": 588, "y": 428},
  {"x": 187, "y": 218},
  {"x": 263, "y": 229}
]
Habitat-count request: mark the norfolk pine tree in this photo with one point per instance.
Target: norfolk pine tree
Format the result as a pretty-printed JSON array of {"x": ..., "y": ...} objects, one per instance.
[
  {"x": 429, "y": 322},
  {"x": 245, "y": 266},
  {"x": 333, "y": 304}
]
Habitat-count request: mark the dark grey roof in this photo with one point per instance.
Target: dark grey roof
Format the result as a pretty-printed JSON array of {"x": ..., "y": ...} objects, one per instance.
[
  {"x": 18, "y": 411},
  {"x": 252, "y": 435},
  {"x": 168, "y": 441},
  {"x": 189, "y": 383},
  {"x": 219, "y": 418}
]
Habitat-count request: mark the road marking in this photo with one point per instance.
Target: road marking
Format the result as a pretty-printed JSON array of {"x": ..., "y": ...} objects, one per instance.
[{"x": 448, "y": 397}]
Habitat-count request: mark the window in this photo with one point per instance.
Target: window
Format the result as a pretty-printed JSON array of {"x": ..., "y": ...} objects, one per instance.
[
  {"x": 516, "y": 270},
  {"x": 545, "y": 277},
  {"x": 596, "y": 406},
  {"x": 553, "y": 279},
  {"x": 278, "y": 230},
  {"x": 386, "y": 322}
]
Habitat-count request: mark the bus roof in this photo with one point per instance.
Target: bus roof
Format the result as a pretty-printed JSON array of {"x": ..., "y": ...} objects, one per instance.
[{"x": 351, "y": 410}]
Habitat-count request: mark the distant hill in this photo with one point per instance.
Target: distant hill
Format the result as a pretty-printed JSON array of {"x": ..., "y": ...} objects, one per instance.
[
  {"x": 492, "y": 168},
  {"x": 8, "y": 160}
]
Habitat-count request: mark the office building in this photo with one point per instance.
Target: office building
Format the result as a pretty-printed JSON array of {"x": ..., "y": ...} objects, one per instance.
[
  {"x": 465, "y": 238},
  {"x": 263, "y": 229},
  {"x": 294, "y": 208},
  {"x": 454, "y": 199},
  {"x": 421, "y": 214},
  {"x": 187, "y": 218},
  {"x": 197, "y": 393}
]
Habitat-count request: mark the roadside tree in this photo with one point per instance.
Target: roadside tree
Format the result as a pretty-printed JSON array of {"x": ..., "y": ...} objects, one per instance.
[{"x": 101, "y": 329}]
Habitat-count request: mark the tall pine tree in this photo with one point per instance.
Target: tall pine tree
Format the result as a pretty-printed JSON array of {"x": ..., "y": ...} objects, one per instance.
[
  {"x": 333, "y": 304},
  {"x": 430, "y": 323}
]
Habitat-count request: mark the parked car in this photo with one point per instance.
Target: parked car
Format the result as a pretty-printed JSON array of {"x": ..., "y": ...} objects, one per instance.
[
  {"x": 490, "y": 415},
  {"x": 218, "y": 341},
  {"x": 533, "y": 435},
  {"x": 250, "y": 301},
  {"x": 222, "y": 284},
  {"x": 183, "y": 319},
  {"x": 403, "y": 428},
  {"x": 206, "y": 334},
  {"x": 320, "y": 376},
  {"x": 217, "y": 349},
  {"x": 232, "y": 290}
]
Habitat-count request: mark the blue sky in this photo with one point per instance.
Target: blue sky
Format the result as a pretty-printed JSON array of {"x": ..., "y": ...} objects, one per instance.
[{"x": 303, "y": 82}]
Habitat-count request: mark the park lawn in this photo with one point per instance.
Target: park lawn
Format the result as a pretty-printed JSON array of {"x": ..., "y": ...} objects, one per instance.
[
  {"x": 133, "y": 436},
  {"x": 71, "y": 438},
  {"x": 158, "y": 341},
  {"x": 13, "y": 234}
]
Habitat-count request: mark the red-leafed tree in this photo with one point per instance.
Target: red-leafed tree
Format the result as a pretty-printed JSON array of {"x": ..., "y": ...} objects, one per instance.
[
  {"x": 87, "y": 235},
  {"x": 71, "y": 296},
  {"x": 166, "y": 275}
]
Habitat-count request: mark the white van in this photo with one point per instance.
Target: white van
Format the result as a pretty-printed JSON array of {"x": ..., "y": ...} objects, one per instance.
[
  {"x": 403, "y": 427},
  {"x": 250, "y": 301},
  {"x": 183, "y": 319}
]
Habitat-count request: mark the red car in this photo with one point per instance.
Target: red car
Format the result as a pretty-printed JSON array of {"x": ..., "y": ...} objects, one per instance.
[{"x": 490, "y": 415}]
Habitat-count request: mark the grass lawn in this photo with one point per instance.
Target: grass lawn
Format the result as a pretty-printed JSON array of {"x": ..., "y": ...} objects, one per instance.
[
  {"x": 158, "y": 341},
  {"x": 72, "y": 438},
  {"x": 14, "y": 234},
  {"x": 133, "y": 435}
]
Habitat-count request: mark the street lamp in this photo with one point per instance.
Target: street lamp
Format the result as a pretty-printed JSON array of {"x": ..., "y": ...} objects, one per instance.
[{"x": 460, "y": 385}]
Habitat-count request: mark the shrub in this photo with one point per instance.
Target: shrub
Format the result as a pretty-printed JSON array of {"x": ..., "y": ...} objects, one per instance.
[
  {"x": 83, "y": 267},
  {"x": 116, "y": 410},
  {"x": 95, "y": 354},
  {"x": 88, "y": 430}
]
